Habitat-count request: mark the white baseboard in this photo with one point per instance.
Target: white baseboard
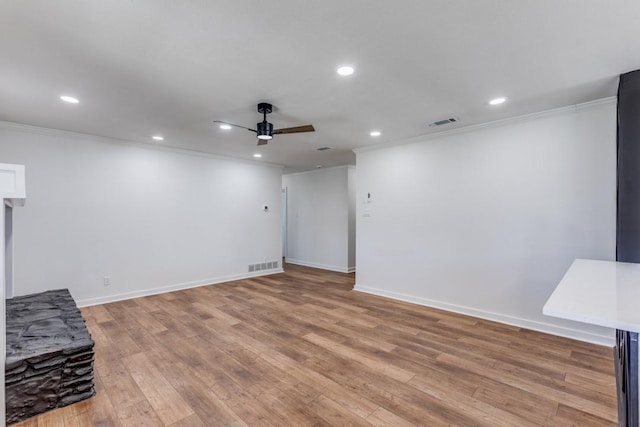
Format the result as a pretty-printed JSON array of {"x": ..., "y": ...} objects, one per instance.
[
  {"x": 321, "y": 266},
  {"x": 172, "y": 288},
  {"x": 496, "y": 317}
]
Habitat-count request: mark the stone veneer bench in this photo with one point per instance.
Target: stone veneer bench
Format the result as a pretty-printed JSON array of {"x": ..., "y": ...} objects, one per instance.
[{"x": 49, "y": 360}]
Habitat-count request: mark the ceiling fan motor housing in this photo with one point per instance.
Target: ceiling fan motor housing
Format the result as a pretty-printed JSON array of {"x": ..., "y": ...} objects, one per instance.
[{"x": 265, "y": 130}]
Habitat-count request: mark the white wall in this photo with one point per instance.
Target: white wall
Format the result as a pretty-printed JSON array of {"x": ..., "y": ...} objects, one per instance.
[
  {"x": 318, "y": 230},
  {"x": 486, "y": 221},
  {"x": 150, "y": 219}
]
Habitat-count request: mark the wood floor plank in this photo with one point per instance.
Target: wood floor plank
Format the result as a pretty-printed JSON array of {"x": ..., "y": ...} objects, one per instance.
[
  {"x": 119, "y": 339},
  {"x": 196, "y": 391},
  {"x": 567, "y": 415},
  {"x": 594, "y": 407},
  {"x": 400, "y": 398},
  {"x": 383, "y": 418},
  {"x": 99, "y": 313},
  {"x": 390, "y": 370},
  {"x": 50, "y": 419},
  {"x": 138, "y": 414},
  {"x": 526, "y": 405},
  {"x": 606, "y": 381},
  {"x": 75, "y": 422},
  {"x": 483, "y": 413},
  {"x": 302, "y": 348},
  {"x": 218, "y": 314},
  {"x": 99, "y": 411},
  {"x": 356, "y": 403},
  {"x": 122, "y": 389},
  {"x": 167, "y": 403},
  {"x": 190, "y": 421},
  {"x": 31, "y": 422},
  {"x": 336, "y": 415}
]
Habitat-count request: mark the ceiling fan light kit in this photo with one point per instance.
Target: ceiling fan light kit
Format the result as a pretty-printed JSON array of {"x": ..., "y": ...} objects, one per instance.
[{"x": 265, "y": 129}]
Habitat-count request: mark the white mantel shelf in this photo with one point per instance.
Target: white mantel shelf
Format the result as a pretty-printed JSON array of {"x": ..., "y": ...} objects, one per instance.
[{"x": 604, "y": 293}]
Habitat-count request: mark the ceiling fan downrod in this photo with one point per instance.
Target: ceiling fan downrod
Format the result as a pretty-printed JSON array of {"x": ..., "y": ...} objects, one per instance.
[{"x": 265, "y": 129}]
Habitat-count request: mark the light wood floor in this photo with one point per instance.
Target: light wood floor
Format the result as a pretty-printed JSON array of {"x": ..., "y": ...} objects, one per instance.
[{"x": 301, "y": 348}]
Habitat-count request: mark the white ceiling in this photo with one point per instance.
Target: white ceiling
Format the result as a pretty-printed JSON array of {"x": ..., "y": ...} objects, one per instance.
[{"x": 145, "y": 67}]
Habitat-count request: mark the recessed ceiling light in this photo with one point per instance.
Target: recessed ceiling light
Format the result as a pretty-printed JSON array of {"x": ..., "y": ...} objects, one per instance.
[
  {"x": 158, "y": 138},
  {"x": 497, "y": 101},
  {"x": 257, "y": 155},
  {"x": 345, "y": 70},
  {"x": 225, "y": 126},
  {"x": 375, "y": 133},
  {"x": 69, "y": 99},
  {"x": 318, "y": 166}
]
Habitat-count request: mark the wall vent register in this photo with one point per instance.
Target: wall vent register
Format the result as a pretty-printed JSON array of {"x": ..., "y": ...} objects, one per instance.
[{"x": 270, "y": 265}]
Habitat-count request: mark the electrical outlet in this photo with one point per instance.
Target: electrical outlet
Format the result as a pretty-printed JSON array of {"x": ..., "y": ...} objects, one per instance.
[{"x": 107, "y": 281}]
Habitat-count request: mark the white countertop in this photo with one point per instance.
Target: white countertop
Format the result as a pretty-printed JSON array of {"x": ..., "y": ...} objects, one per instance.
[{"x": 604, "y": 293}]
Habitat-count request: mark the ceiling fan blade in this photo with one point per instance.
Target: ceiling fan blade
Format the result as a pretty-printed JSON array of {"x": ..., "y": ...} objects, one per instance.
[
  {"x": 297, "y": 129},
  {"x": 262, "y": 142},
  {"x": 238, "y": 126}
]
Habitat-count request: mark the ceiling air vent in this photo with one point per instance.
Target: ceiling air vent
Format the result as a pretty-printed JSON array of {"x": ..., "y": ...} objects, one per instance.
[
  {"x": 443, "y": 122},
  {"x": 323, "y": 148}
]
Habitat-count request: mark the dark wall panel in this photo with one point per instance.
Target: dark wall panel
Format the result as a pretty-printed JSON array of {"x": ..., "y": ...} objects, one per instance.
[{"x": 628, "y": 220}]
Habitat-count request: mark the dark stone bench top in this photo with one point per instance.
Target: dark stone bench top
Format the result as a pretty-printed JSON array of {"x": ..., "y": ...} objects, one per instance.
[{"x": 42, "y": 324}]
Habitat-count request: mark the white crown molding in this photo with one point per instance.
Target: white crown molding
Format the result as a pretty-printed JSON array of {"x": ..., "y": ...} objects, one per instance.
[
  {"x": 612, "y": 100},
  {"x": 144, "y": 145}
]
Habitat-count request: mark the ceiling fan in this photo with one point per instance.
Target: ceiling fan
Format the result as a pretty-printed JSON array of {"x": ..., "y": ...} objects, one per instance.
[{"x": 265, "y": 130}]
